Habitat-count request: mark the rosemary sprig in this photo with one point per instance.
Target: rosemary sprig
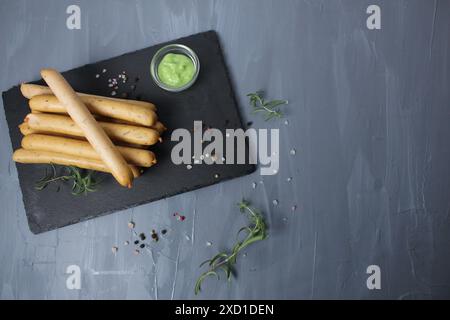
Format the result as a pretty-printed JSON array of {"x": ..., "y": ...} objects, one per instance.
[
  {"x": 82, "y": 182},
  {"x": 269, "y": 108},
  {"x": 224, "y": 261}
]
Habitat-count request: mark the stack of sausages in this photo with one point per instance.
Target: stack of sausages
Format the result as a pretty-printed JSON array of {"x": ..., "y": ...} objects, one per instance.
[{"x": 90, "y": 132}]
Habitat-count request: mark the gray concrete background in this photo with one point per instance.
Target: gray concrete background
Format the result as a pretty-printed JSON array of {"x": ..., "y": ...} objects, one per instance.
[{"x": 368, "y": 115}]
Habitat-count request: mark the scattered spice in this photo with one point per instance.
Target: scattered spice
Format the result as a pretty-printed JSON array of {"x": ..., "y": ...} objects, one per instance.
[
  {"x": 294, "y": 207},
  {"x": 275, "y": 202},
  {"x": 113, "y": 93},
  {"x": 293, "y": 152},
  {"x": 97, "y": 76},
  {"x": 216, "y": 176},
  {"x": 136, "y": 252},
  {"x": 136, "y": 242},
  {"x": 142, "y": 236},
  {"x": 126, "y": 243},
  {"x": 154, "y": 235},
  {"x": 163, "y": 231},
  {"x": 131, "y": 224},
  {"x": 142, "y": 246},
  {"x": 254, "y": 185},
  {"x": 179, "y": 217},
  {"x": 104, "y": 70},
  {"x": 114, "y": 250},
  {"x": 289, "y": 179}
]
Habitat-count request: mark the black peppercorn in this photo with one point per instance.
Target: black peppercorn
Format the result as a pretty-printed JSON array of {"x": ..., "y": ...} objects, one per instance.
[
  {"x": 164, "y": 231},
  {"x": 136, "y": 242},
  {"x": 142, "y": 236},
  {"x": 142, "y": 246}
]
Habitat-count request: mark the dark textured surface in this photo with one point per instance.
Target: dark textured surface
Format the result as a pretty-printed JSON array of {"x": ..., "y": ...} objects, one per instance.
[
  {"x": 210, "y": 100},
  {"x": 368, "y": 115}
]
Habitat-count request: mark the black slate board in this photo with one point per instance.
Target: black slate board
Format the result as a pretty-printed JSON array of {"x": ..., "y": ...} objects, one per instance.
[{"x": 211, "y": 100}]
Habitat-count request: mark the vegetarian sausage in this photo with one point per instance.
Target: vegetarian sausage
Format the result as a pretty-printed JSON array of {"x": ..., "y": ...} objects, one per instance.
[
  {"x": 30, "y": 90},
  {"x": 63, "y": 125},
  {"x": 93, "y": 132},
  {"x": 46, "y": 157},
  {"x": 41, "y": 142},
  {"x": 120, "y": 110}
]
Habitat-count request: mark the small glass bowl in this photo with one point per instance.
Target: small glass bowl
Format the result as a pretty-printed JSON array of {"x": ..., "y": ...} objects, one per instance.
[{"x": 178, "y": 49}]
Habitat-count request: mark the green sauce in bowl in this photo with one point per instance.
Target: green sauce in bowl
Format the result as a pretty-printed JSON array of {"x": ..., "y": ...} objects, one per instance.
[{"x": 176, "y": 70}]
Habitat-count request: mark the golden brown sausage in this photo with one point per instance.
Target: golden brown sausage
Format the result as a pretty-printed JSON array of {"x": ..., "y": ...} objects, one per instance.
[
  {"x": 63, "y": 125},
  {"x": 30, "y": 90},
  {"x": 120, "y": 110},
  {"x": 90, "y": 128},
  {"x": 46, "y": 157},
  {"x": 41, "y": 142}
]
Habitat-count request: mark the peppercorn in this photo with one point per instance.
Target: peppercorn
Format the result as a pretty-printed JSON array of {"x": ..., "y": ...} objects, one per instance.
[
  {"x": 142, "y": 246},
  {"x": 154, "y": 235},
  {"x": 136, "y": 242},
  {"x": 142, "y": 236}
]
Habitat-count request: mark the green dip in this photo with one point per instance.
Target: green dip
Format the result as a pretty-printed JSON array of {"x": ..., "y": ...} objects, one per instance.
[{"x": 176, "y": 70}]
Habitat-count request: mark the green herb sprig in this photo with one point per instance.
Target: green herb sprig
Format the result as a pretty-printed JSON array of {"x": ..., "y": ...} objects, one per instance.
[
  {"x": 224, "y": 261},
  {"x": 82, "y": 182},
  {"x": 271, "y": 109}
]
